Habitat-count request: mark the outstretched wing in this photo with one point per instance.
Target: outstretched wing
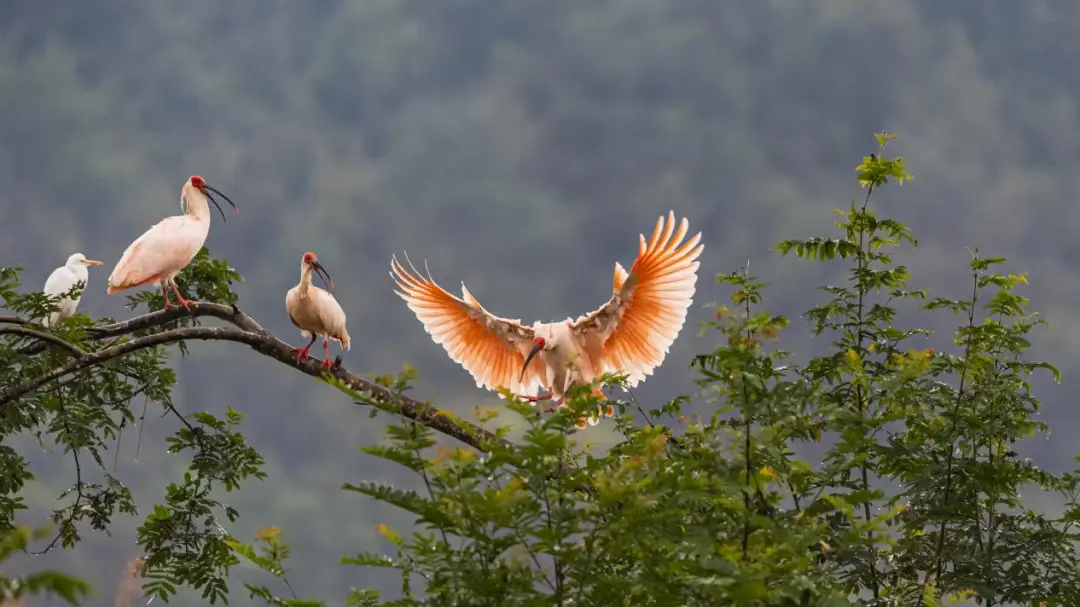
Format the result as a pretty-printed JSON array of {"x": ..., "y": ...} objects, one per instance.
[
  {"x": 633, "y": 331},
  {"x": 491, "y": 349}
]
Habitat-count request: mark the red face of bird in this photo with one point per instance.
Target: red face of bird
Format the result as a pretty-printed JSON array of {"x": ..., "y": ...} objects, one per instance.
[
  {"x": 538, "y": 345},
  {"x": 198, "y": 183},
  {"x": 310, "y": 262}
]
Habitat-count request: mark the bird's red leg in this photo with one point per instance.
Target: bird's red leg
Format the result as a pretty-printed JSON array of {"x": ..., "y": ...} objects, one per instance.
[
  {"x": 540, "y": 397},
  {"x": 303, "y": 352},
  {"x": 165, "y": 294},
  {"x": 327, "y": 363},
  {"x": 180, "y": 298},
  {"x": 535, "y": 399},
  {"x": 552, "y": 408}
]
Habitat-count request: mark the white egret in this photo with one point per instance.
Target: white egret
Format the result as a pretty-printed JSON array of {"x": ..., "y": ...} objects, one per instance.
[{"x": 62, "y": 280}]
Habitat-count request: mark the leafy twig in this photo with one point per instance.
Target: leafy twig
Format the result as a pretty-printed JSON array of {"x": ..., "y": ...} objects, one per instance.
[
  {"x": 78, "y": 477},
  {"x": 939, "y": 563}
]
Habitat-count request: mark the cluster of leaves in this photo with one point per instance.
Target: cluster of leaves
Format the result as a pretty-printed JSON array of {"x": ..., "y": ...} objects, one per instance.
[
  {"x": 80, "y": 414},
  {"x": 724, "y": 511},
  {"x": 186, "y": 543},
  {"x": 538, "y": 522},
  {"x": 84, "y": 413}
]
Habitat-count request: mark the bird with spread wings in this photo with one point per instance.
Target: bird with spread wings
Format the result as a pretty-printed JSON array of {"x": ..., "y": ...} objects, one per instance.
[{"x": 630, "y": 334}]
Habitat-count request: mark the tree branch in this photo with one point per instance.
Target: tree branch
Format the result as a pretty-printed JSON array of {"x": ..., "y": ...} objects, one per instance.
[
  {"x": 41, "y": 337},
  {"x": 15, "y": 320},
  {"x": 231, "y": 314},
  {"x": 69, "y": 521},
  {"x": 263, "y": 342}
]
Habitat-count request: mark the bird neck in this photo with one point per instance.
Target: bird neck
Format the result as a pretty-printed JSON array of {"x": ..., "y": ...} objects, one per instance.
[
  {"x": 305, "y": 277},
  {"x": 78, "y": 269},
  {"x": 195, "y": 204}
]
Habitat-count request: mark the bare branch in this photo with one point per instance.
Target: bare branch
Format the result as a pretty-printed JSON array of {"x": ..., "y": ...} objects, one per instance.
[
  {"x": 230, "y": 314},
  {"x": 262, "y": 342},
  {"x": 42, "y": 337},
  {"x": 15, "y": 320}
]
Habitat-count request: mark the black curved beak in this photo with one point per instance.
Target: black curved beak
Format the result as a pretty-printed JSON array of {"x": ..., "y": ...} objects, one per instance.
[
  {"x": 323, "y": 274},
  {"x": 532, "y": 353},
  {"x": 211, "y": 198}
]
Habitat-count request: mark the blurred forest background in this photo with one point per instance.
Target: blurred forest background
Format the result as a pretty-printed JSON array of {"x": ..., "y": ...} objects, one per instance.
[{"x": 520, "y": 147}]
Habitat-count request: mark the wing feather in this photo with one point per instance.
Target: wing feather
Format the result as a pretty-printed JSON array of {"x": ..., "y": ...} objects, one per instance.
[
  {"x": 490, "y": 348},
  {"x": 166, "y": 247},
  {"x": 331, "y": 315},
  {"x": 649, "y": 303},
  {"x": 60, "y": 282}
]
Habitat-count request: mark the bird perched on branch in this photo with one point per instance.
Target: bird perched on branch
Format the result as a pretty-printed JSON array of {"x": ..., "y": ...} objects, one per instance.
[
  {"x": 169, "y": 245},
  {"x": 315, "y": 311},
  {"x": 62, "y": 280},
  {"x": 630, "y": 334}
]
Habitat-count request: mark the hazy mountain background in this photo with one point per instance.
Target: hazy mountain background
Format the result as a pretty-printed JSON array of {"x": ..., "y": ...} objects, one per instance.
[{"x": 520, "y": 147}]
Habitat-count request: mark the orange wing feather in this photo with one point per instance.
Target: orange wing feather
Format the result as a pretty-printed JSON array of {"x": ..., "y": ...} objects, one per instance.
[
  {"x": 490, "y": 348},
  {"x": 649, "y": 304}
]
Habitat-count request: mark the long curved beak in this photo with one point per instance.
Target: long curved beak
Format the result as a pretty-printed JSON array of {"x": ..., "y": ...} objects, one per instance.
[
  {"x": 211, "y": 198},
  {"x": 323, "y": 274},
  {"x": 532, "y": 353},
  {"x": 91, "y": 262}
]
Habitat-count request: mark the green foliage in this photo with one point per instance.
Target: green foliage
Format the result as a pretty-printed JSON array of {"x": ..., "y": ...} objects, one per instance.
[
  {"x": 916, "y": 498},
  {"x": 653, "y": 522},
  {"x": 359, "y": 128},
  {"x": 269, "y": 555},
  {"x": 184, "y": 538},
  {"x": 724, "y": 512},
  {"x": 84, "y": 414},
  {"x": 17, "y": 539}
]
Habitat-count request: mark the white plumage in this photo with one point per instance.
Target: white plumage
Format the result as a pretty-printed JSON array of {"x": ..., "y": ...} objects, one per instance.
[
  {"x": 62, "y": 280},
  {"x": 315, "y": 311},
  {"x": 161, "y": 252}
]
